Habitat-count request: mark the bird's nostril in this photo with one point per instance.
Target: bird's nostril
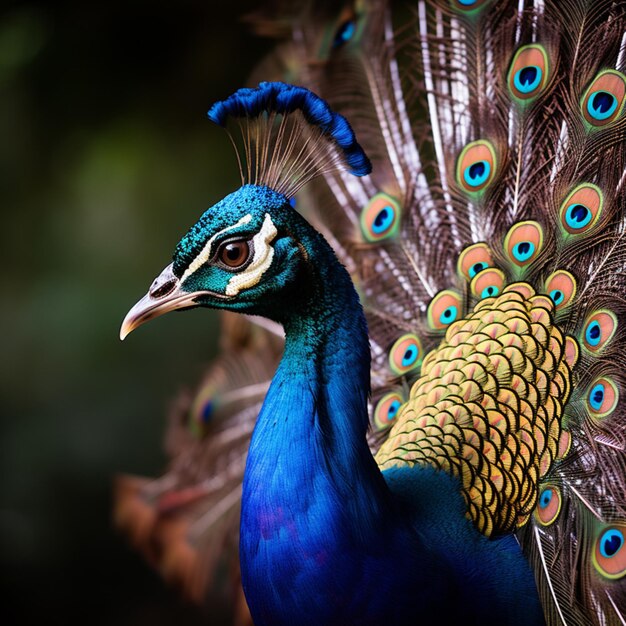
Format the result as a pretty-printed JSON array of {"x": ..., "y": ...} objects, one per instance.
[{"x": 160, "y": 291}]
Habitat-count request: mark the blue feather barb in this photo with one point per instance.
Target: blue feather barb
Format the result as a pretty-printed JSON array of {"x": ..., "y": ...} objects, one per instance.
[{"x": 281, "y": 98}]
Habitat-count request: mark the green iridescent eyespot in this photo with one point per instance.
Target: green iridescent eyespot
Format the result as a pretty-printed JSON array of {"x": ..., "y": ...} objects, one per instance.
[
  {"x": 548, "y": 505},
  {"x": 387, "y": 409},
  {"x": 488, "y": 284},
  {"x": 603, "y": 101},
  {"x": 523, "y": 243},
  {"x": 609, "y": 553},
  {"x": 602, "y": 397},
  {"x": 598, "y": 330},
  {"x": 444, "y": 309},
  {"x": 405, "y": 354},
  {"x": 346, "y": 30},
  {"x": 561, "y": 288},
  {"x": 380, "y": 219},
  {"x": 528, "y": 74},
  {"x": 476, "y": 167},
  {"x": 581, "y": 210},
  {"x": 469, "y": 7},
  {"x": 473, "y": 260}
]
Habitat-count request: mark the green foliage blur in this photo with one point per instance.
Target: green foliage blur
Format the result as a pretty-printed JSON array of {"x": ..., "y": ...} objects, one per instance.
[{"x": 106, "y": 159}]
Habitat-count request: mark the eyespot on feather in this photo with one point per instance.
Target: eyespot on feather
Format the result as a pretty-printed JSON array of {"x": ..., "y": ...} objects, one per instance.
[
  {"x": 548, "y": 505},
  {"x": 529, "y": 72},
  {"x": 202, "y": 411},
  {"x": 444, "y": 309},
  {"x": 345, "y": 29},
  {"x": 523, "y": 243},
  {"x": 387, "y": 409},
  {"x": 561, "y": 288},
  {"x": 609, "y": 553},
  {"x": 474, "y": 259},
  {"x": 380, "y": 219},
  {"x": 476, "y": 166},
  {"x": 345, "y": 32},
  {"x": 598, "y": 330},
  {"x": 488, "y": 284},
  {"x": 581, "y": 209},
  {"x": 603, "y": 101},
  {"x": 405, "y": 354},
  {"x": 602, "y": 397}
]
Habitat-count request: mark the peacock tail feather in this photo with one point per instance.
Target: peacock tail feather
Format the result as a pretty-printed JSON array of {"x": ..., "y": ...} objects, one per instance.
[{"x": 489, "y": 249}]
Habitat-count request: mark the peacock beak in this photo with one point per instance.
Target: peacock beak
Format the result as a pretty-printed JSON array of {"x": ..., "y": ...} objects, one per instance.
[{"x": 163, "y": 296}]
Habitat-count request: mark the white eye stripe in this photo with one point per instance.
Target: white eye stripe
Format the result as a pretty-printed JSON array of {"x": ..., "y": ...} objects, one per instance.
[
  {"x": 205, "y": 253},
  {"x": 263, "y": 255}
]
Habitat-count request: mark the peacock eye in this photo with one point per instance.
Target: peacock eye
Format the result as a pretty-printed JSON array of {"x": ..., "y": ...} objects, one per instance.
[
  {"x": 344, "y": 33},
  {"x": 608, "y": 555},
  {"x": 234, "y": 254},
  {"x": 548, "y": 506}
]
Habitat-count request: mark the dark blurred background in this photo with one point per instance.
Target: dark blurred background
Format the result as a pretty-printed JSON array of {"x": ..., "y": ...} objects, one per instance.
[{"x": 106, "y": 159}]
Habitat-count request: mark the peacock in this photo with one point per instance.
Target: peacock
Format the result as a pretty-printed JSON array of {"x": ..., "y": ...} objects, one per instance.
[{"x": 432, "y": 212}]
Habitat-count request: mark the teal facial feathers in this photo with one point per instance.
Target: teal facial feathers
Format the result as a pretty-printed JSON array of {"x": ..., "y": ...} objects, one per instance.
[
  {"x": 245, "y": 251},
  {"x": 235, "y": 250}
]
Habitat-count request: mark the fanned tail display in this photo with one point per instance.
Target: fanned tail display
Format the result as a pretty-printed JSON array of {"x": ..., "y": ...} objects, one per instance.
[{"x": 488, "y": 247}]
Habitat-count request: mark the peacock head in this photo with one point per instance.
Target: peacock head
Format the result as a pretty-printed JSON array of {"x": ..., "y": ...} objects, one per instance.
[
  {"x": 240, "y": 255},
  {"x": 247, "y": 251}
]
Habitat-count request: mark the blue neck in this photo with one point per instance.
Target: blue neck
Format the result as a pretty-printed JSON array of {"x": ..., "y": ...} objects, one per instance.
[
  {"x": 313, "y": 497},
  {"x": 326, "y": 370},
  {"x": 314, "y": 418}
]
